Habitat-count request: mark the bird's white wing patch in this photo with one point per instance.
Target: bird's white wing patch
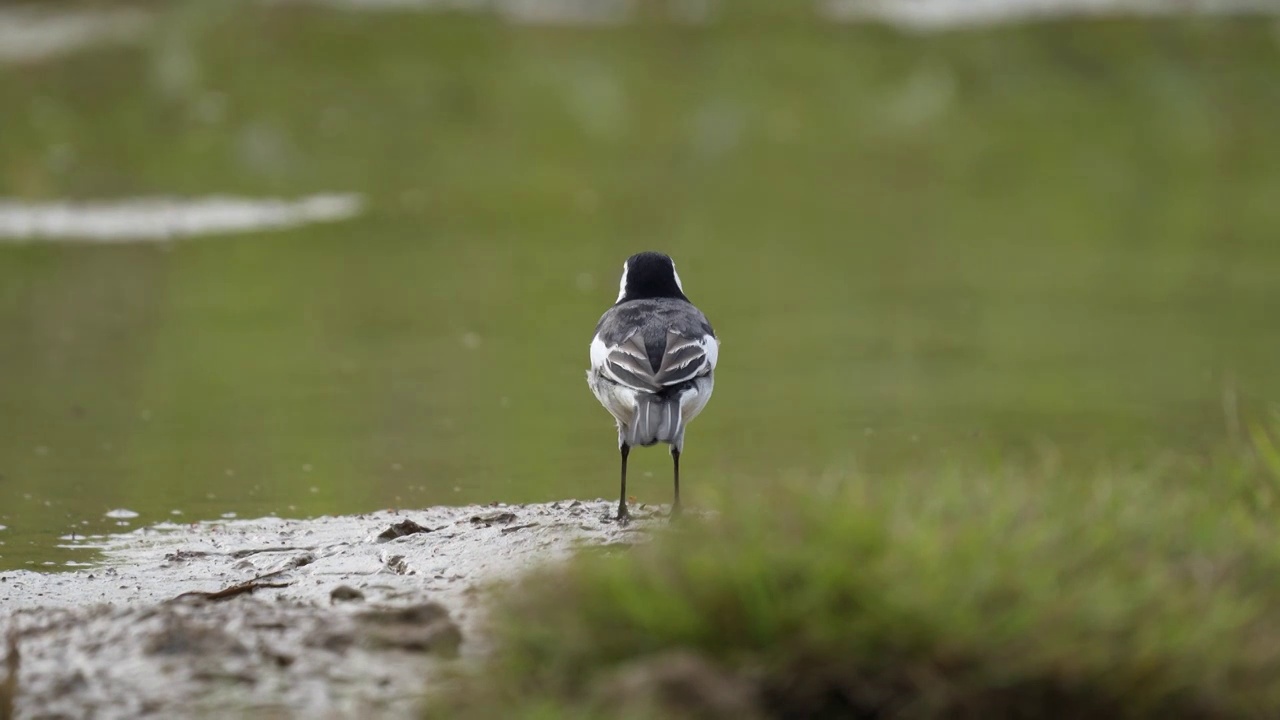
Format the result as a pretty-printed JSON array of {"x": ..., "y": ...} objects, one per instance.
[
  {"x": 599, "y": 352},
  {"x": 711, "y": 346}
]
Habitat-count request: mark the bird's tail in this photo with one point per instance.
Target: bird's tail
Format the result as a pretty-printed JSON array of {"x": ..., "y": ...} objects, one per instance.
[{"x": 657, "y": 419}]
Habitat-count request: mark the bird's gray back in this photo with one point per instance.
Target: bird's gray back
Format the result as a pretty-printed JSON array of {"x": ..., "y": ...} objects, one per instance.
[{"x": 653, "y": 319}]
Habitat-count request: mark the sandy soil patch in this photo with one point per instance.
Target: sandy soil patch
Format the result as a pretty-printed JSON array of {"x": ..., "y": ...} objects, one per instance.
[{"x": 330, "y": 617}]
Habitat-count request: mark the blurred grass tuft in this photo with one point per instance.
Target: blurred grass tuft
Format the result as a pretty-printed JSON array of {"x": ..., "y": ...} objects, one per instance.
[{"x": 1029, "y": 592}]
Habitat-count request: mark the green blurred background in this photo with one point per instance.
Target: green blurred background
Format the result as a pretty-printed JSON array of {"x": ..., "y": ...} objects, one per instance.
[{"x": 918, "y": 250}]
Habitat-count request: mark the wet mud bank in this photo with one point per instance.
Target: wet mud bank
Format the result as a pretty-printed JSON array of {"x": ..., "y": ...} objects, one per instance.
[{"x": 329, "y": 617}]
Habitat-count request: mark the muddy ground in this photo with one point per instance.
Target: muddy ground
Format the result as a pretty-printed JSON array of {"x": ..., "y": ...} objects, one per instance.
[{"x": 330, "y": 617}]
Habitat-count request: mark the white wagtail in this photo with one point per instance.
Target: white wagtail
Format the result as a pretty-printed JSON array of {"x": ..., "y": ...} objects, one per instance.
[{"x": 652, "y": 362}]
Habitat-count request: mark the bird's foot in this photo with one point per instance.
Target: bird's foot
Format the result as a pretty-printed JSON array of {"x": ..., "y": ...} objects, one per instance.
[
  {"x": 675, "y": 513},
  {"x": 624, "y": 516}
]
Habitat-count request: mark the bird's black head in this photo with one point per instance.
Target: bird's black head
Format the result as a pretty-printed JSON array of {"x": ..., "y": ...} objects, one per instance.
[{"x": 649, "y": 275}]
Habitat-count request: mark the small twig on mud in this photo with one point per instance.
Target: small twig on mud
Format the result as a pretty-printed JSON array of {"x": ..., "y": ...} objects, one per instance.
[
  {"x": 9, "y": 688},
  {"x": 513, "y": 528},
  {"x": 240, "y": 554},
  {"x": 229, "y": 592}
]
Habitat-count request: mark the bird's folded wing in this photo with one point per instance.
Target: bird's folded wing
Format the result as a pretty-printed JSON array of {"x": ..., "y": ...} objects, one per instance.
[{"x": 684, "y": 359}]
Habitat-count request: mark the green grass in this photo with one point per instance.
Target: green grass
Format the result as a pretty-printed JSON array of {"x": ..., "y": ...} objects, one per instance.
[{"x": 1144, "y": 591}]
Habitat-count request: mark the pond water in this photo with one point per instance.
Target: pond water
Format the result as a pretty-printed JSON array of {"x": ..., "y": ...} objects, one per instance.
[{"x": 918, "y": 252}]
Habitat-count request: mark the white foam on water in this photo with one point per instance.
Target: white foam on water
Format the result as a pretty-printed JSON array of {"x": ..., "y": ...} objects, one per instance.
[
  {"x": 524, "y": 12},
  {"x": 162, "y": 219},
  {"x": 911, "y": 14},
  {"x": 926, "y": 15},
  {"x": 376, "y": 5},
  {"x": 29, "y": 33}
]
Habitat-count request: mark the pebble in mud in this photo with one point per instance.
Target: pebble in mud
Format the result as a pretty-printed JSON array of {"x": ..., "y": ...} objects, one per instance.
[
  {"x": 498, "y": 518},
  {"x": 401, "y": 529},
  {"x": 345, "y": 593},
  {"x": 397, "y": 565}
]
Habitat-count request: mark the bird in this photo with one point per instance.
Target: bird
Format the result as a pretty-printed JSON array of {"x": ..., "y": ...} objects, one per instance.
[{"x": 653, "y": 360}]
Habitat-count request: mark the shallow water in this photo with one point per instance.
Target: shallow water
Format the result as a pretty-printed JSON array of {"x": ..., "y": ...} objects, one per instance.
[{"x": 918, "y": 251}]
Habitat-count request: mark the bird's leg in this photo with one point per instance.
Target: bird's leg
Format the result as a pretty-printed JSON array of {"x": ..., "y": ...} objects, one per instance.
[
  {"x": 623, "y": 515},
  {"x": 675, "y": 465}
]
